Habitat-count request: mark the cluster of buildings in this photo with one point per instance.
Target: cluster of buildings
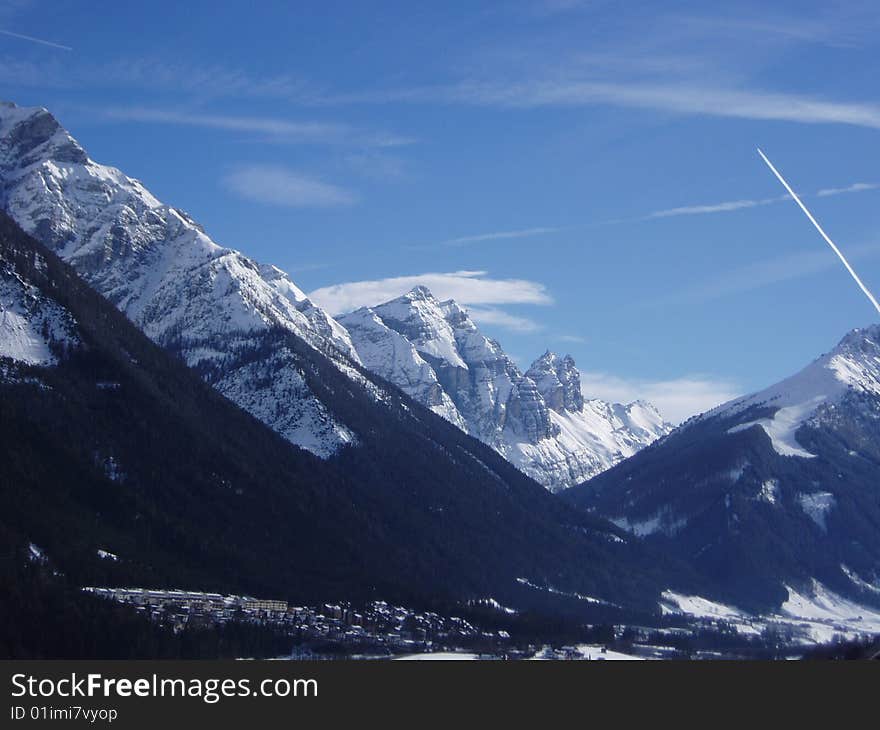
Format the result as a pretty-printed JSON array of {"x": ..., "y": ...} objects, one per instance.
[
  {"x": 191, "y": 601},
  {"x": 376, "y": 628}
]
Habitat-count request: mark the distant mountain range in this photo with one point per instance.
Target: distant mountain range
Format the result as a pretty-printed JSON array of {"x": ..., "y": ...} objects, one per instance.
[
  {"x": 178, "y": 405},
  {"x": 538, "y": 420},
  {"x": 770, "y": 493},
  {"x": 213, "y": 306}
]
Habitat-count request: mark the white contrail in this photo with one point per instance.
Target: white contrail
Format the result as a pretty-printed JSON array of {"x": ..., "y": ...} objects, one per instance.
[
  {"x": 819, "y": 228},
  {"x": 35, "y": 40}
]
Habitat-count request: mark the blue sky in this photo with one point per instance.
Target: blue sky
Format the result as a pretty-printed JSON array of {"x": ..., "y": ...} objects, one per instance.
[{"x": 582, "y": 174}]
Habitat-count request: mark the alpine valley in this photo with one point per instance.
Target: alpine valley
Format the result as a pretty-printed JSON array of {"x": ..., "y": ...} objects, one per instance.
[
  {"x": 342, "y": 487},
  {"x": 121, "y": 467},
  {"x": 175, "y": 415}
]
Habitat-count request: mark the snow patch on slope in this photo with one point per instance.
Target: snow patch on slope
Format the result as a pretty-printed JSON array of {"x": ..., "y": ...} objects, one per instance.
[
  {"x": 817, "y": 505},
  {"x": 663, "y": 522},
  {"x": 823, "y": 605},
  {"x": 697, "y": 606},
  {"x": 30, "y": 322}
]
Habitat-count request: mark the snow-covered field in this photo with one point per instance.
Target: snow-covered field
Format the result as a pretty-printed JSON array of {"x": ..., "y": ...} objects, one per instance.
[
  {"x": 817, "y": 616},
  {"x": 438, "y": 656},
  {"x": 585, "y": 652}
]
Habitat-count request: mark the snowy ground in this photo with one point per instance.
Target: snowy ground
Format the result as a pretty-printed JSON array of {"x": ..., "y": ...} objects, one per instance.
[
  {"x": 817, "y": 616},
  {"x": 588, "y": 652},
  {"x": 439, "y": 656}
]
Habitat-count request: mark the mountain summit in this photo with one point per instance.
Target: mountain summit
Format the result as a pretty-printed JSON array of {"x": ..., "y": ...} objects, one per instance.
[
  {"x": 773, "y": 495},
  {"x": 539, "y": 420},
  {"x": 212, "y": 305}
]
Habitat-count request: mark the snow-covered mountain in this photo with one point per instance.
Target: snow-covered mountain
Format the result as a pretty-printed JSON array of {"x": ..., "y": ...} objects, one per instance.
[
  {"x": 212, "y": 305},
  {"x": 111, "y": 445},
  {"x": 771, "y": 492},
  {"x": 217, "y": 309},
  {"x": 538, "y": 420},
  {"x": 811, "y": 395}
]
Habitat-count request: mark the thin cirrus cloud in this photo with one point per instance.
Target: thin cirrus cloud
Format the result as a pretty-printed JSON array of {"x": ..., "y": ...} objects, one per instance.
[
  {"x": 854, "y": 188},
  {"x": 679, "y": 98},
  {"x": 275, "y": 185},
  {"x": 725, "y": 207},
  {"x": 501, "y": 235},
  {"x": 677, "y": 399},
  {"x": 728, "y": 206},
  {"x": 734, "y": 205},
  {"x": 475, "y": 289},
  {"x": 273, "y": 128},
  {"x": 682, "y": 98},
  {"x": 152, "y": 74}
]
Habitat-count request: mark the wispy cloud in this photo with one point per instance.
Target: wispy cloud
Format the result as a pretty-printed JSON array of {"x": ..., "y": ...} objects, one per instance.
[
  {"x": 804, "y": 30},
  {"x": 677, "y": 399},
  {"x": 734, "y": 205},
  {"x": 466, "y": 287},
  {"x": 505, "y": 320},
  {"x": 276, "y": 185},
  {"x": 31, "y": 39},
  {"x": 501, "y": 235},
  {"x": 854, "y": 188},
  {"x": 684, "y": 98},
  {"x": 724, "y": 207},
  {"x": 153, "y": 74},
  {"x": 282, "y": 129}
]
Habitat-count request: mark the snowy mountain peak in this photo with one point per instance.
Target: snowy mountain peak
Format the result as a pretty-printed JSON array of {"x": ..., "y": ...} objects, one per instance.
[
  {"x": 210, "y": 304},
  {"x": 558, "y": 380},
  {"x": 856, "y": 359},
  {"x": 538, "y": 420},
  {"x": 421, "y": 319},
  {"x": 30, "y": 132},
  {"x": 419, "y": 292},
  {"x": 854, "y": 365}
]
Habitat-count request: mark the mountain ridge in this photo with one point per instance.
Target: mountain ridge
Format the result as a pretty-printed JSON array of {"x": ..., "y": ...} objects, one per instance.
[
  {"x": 538, "y": 419},
  {"x": 770, "y": 493}
]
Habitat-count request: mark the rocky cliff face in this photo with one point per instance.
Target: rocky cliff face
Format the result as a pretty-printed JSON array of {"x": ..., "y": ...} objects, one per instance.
[
  {"x": 558, "y": 381},
  {"x": 538, "y": 420}
]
